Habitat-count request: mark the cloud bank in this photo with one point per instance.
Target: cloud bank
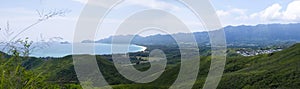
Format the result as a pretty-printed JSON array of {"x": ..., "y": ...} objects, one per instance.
[{"x": 272, "y": 14}]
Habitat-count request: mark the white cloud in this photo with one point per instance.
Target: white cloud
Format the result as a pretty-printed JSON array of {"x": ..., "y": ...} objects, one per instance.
[
  {"x": 272, "y": 14},
  {"x": 276, "y": 13},
  {"x": 222, "y": 13},
  {"x": 233, "y": 16},
  {"x": 234, "y": 12},
  {"x": 293, "y": 11}
]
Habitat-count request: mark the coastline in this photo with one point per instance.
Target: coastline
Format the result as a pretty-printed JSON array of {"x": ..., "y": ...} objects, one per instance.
[{"x": 101, "y": 49}]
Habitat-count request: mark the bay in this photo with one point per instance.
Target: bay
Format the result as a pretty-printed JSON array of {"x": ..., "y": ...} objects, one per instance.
[{"x": 61, "y": 50}]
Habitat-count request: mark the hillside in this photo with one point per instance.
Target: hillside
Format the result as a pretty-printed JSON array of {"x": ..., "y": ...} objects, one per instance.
[
  {"x": 279, "y": 70},
  {"x": 276, "y": 70}
]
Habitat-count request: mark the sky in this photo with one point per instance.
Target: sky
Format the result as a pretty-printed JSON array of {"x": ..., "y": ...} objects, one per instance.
[{"x": 22, "y": 13}]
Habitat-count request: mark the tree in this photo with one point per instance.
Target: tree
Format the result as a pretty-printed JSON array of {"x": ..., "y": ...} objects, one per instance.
[{"x": 12, "y": 74}]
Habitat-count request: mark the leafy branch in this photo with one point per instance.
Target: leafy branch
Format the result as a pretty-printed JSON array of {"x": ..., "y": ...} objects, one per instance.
[
  {"x": 43, "y": 16},
  {"x": 12, "y": 42}
]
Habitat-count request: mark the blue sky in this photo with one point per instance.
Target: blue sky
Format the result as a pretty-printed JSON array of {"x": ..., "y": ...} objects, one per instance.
[{"x": 21, "y": 13}]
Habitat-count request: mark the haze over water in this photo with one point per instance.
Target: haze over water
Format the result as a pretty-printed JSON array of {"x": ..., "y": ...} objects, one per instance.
[{"x": 61, "y": 50}]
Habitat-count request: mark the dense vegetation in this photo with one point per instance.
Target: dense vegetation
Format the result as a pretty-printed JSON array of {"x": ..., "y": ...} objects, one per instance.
[{"x": 276, "y": 70}]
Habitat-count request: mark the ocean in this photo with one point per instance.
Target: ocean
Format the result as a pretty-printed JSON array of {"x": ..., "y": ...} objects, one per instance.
[{"x": 61, "y": 50}]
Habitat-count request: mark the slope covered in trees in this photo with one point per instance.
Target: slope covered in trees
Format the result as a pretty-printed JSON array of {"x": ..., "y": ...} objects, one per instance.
[{"x": 275, "y": 70}]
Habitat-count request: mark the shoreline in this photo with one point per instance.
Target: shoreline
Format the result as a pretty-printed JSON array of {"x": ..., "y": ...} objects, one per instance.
[{"x": 141, "y": 49}]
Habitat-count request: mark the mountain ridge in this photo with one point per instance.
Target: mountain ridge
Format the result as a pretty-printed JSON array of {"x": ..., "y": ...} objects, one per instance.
[{"x": 243, "y": 34}]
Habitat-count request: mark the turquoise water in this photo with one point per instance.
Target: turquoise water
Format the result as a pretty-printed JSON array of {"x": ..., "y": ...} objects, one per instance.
[{"x": 61, "y": 50}]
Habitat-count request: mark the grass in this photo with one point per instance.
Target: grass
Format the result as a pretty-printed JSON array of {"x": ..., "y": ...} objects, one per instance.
[{"x": 277, "y": 70}]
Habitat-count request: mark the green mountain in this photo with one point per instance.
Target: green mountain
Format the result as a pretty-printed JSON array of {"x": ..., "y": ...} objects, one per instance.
[
  {"x": 280, "y": 70},
  {"x": 277, "y": 70},
  {"x": 261, "y": 34}
]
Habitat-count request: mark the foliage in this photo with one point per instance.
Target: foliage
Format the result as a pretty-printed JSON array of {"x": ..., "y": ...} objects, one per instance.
[
  {"x": 14, "y": 75},
  {"x": 279, "y": 70}
]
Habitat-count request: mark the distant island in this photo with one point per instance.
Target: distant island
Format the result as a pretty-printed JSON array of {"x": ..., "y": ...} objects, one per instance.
[
  {"x": 65, "y": 42},
  {"x": 87, "y": 41}
]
